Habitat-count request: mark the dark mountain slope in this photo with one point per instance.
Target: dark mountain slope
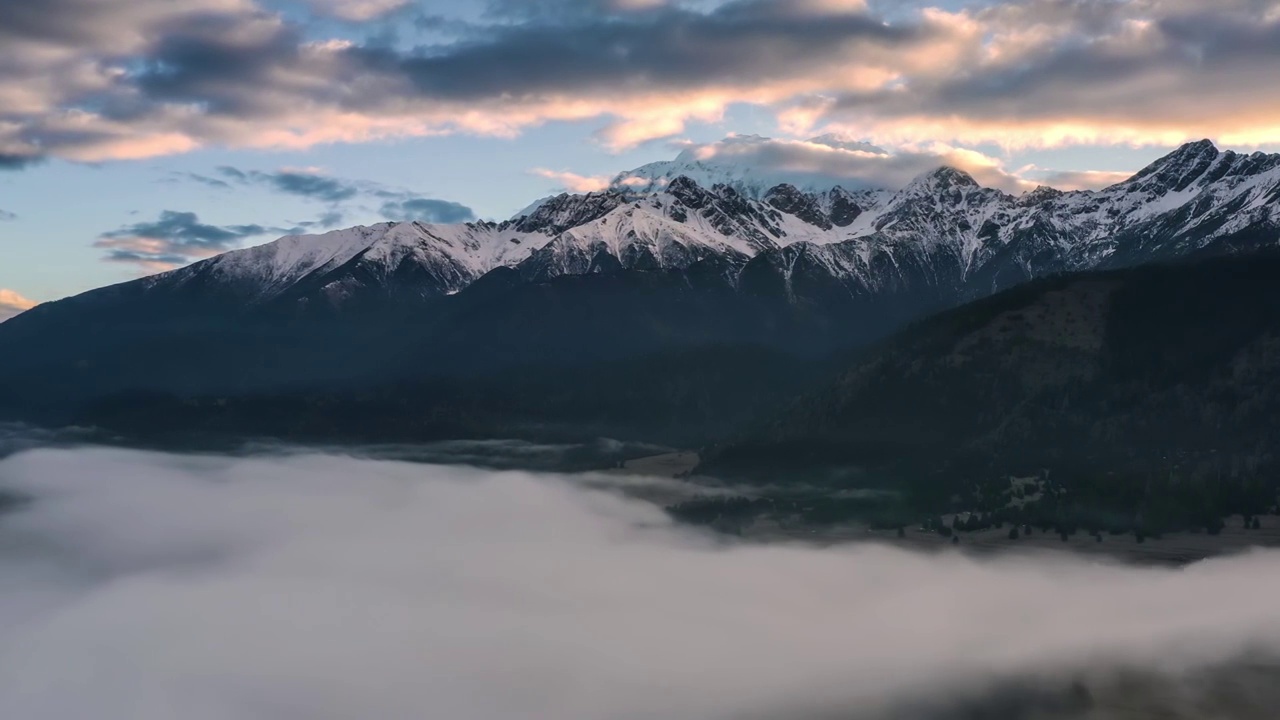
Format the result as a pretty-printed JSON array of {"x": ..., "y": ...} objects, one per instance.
[
  {"x": 680, "y": 398},
  {"x": 503, "y": 354},
  {"x": 1150, "y": 369}
]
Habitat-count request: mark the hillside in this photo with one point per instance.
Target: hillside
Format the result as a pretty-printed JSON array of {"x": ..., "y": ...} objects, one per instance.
[{"x": 1107, "y": 383}]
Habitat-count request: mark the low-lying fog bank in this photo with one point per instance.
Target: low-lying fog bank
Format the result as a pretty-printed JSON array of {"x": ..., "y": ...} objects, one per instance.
[{"x": 150, "y": 586}]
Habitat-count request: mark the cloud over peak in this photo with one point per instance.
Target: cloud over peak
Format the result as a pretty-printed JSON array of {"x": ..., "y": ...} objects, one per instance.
[
  {"x": 818, "y": 163},
  {"x": 405, "y": 207}
]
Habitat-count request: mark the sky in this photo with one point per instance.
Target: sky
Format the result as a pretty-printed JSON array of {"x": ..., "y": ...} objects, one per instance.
[
  {"x": 141, "y": 135},
  {"x": 306, "y": 586}
]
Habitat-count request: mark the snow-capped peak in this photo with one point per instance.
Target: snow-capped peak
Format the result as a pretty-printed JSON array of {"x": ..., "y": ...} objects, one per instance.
[
  {"x": 943, "y": 178},
  {"x": 1180, "y": 168},
  {"x": 1186, "y": 201}
]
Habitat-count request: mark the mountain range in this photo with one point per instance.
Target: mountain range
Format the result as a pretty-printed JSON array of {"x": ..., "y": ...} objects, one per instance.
[
  {"x": 581, "y": 286},
  {"x": 942, "y": 233}
]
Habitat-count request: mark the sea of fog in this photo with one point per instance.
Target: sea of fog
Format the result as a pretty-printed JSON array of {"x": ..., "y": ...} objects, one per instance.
[{"x": 307, "y": 586}]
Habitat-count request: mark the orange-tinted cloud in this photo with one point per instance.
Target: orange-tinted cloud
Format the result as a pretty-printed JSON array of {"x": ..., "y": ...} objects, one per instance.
[
  {"x": 94, "y": 80},
  {"x": 1061, "y": 72},
  {"x": 11, "y": 303},
  {"x": 574, "y": 182},
  {"x": 1079, "y": 179}
]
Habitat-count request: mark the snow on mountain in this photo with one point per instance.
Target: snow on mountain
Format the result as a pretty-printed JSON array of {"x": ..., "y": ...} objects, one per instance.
[
  {"x": 943, "y": 230},
  {"x": 446, "y": 259}
]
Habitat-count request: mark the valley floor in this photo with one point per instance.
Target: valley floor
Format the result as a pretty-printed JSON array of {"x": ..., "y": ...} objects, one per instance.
[{"x": 1171, "y": 549}]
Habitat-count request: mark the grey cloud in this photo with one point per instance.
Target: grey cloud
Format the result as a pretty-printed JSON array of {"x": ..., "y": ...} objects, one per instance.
[
  {"x": 313, "y": 586},
  {"x": 329, "y": 219},
  {"x": 426, "y": 210},
  {"x": 218, "y": 62},
  {"x": 308, "y": 185},
  {"x": 233, "y": 173},
  {"x": 151, "y": 77},
  {"x": 149, "y": 260},
  {"x": 673, "y": 48},
  {"x": 333, "y": 218},
  {"x": 399, "y": 205},
  {"x": 86, "y": 56},
  {"x": 206, "y": 180},
  {"x": 82, "y": 21},
  {"x": 570, "y": 10},
  {"x": 241, "y": 68},
  {"x": 186, "y": 228},
  {"x": 1191, "y": 65},
  {"x": 18, "y": 161},
  {"x": 174, "y": 238}
]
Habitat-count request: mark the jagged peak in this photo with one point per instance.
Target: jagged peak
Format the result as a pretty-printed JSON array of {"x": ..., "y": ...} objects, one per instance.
[
  {"x": 1200, "y": 149},
  {"x": 682, "y": 183},
  {"x": 725, "y": 190},
  {"x": 1039, "y": 194},
  {"x": 781, "y": 190},
  {"x": 1198, "y": 146},
  {"x": 1188, "y": 160},
  {"x": 688, "y": 192},
  {"x": 567, "y": 210},
  {"x": 944, "y": 177}
]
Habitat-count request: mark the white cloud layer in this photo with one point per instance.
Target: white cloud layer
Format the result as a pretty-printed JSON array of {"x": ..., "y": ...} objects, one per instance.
[
  {"x": 144, "y": 586},
  {"x": 573, "y": 182},
  {"x": 822, "y": 162}
]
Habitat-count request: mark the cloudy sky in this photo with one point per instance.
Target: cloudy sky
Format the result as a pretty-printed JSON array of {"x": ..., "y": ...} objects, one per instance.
[{"x": 136, "y": 135}]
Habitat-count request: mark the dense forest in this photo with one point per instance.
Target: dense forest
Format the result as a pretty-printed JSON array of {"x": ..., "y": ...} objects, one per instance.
[{"x": 1149, "y": 397}]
